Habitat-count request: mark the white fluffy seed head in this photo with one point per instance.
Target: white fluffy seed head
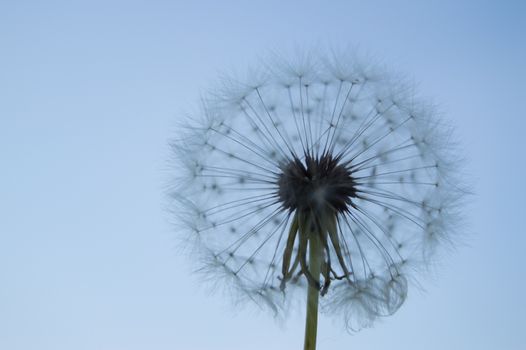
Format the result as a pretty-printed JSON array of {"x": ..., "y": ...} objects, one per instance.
[{"x": 402, "y": 204}]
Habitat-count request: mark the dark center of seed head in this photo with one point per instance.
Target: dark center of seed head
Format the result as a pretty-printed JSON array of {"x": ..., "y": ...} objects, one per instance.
[{"x": 316, "y": 184}]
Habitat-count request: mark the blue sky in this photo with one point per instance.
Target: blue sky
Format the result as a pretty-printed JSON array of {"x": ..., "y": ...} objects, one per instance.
[{"x": 90, "y": 93}]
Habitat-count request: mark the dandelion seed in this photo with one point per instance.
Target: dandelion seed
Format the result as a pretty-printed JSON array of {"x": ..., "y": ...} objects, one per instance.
[{"x": 322, "y": 175}]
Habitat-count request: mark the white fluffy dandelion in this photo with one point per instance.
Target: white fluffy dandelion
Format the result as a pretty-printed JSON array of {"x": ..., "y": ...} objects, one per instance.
[{"x": 321, "y": 174}]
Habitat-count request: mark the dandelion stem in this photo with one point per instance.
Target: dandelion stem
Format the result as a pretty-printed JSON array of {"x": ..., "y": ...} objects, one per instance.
[{"x": 311, "y": 324}]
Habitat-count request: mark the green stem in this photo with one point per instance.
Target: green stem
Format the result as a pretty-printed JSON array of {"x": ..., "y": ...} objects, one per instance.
[{"x": 311, "y": 324}]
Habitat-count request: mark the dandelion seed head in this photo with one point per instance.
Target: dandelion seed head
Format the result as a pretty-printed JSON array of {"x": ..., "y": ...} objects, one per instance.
[{"x": 318, "y": 144}]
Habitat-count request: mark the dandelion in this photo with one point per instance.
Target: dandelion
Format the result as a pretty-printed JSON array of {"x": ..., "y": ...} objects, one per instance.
[{"x": 322, "y": 176}]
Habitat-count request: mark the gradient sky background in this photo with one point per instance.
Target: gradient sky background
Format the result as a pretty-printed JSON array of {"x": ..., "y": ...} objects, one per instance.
[{"x": 90, "y": 93}]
